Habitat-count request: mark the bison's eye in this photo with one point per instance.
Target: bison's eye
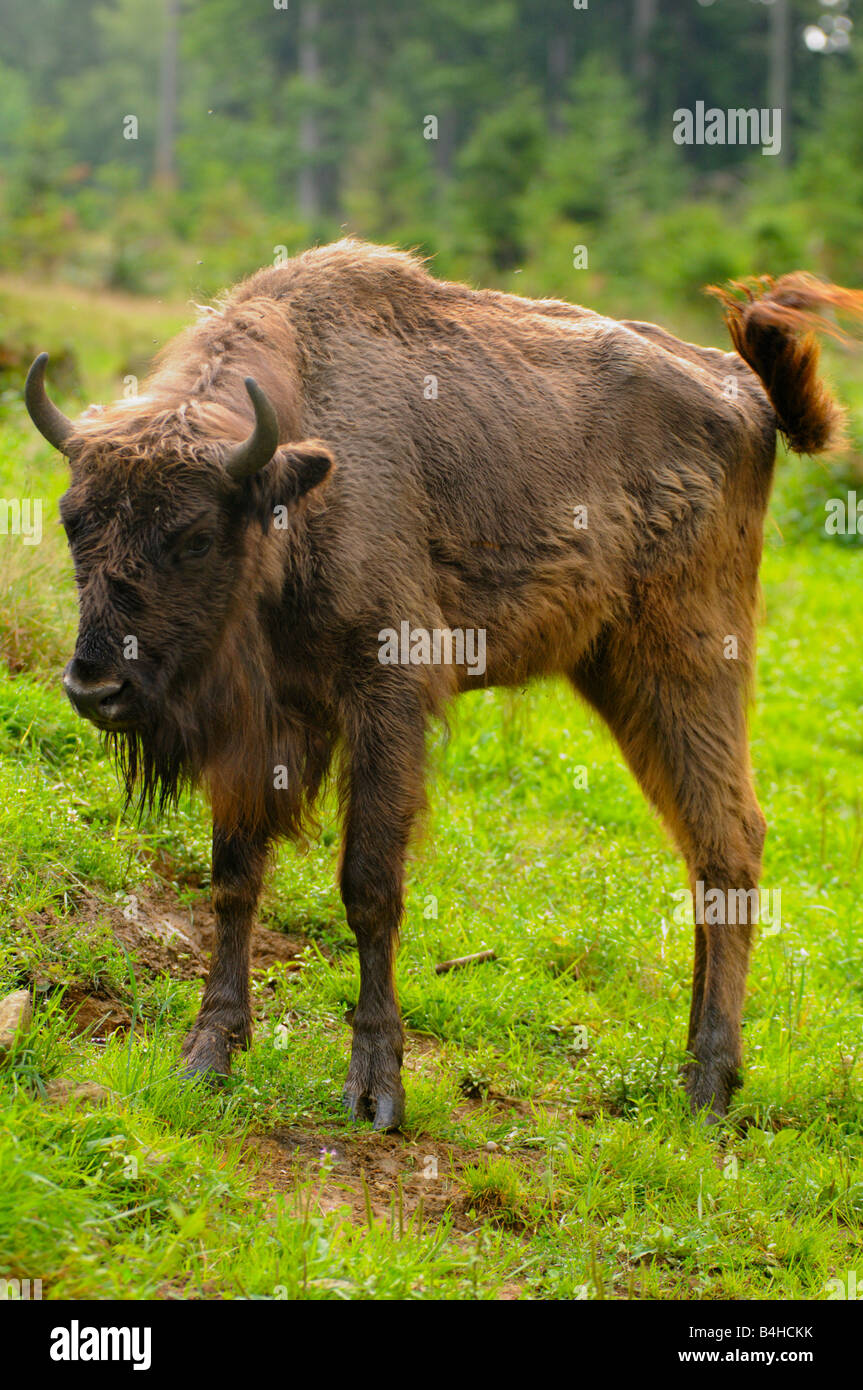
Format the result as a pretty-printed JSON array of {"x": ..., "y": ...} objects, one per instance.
[{"x": 196, "y": 546}]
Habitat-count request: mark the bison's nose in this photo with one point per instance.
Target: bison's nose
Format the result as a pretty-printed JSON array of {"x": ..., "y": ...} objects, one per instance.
[{"x": 93, "y": 696}]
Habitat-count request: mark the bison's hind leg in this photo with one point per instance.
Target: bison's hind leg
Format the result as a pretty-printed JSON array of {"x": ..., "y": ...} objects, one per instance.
[{"x": 678, "y": 712}]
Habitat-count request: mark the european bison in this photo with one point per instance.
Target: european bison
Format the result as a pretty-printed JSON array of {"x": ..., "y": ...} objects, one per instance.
[{"x": 350, "y": 475}]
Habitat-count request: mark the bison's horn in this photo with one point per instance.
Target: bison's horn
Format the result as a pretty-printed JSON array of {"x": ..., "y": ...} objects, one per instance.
[
  {"x": 256, "y": 451},
  {"x": 49, "y": 421}
]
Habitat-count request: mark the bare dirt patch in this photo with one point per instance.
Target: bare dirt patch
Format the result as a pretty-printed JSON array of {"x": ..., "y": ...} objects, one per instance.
[
  {"x": 168, "y": 936},
  {"x": 162, "y": 936},
  {"x": 377, "y": 1173},
  {"x": 96, "y": 1012}
]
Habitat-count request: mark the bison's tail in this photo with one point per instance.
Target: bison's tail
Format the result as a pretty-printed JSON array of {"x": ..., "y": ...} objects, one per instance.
[{"x": 773, "y": 324}]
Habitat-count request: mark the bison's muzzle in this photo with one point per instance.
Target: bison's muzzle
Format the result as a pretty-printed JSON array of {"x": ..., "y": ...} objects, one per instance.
[{"x": 95, "y": 696}]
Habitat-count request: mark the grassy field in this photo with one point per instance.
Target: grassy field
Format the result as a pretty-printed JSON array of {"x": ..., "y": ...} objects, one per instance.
[{"x": 548, "y": 1150}]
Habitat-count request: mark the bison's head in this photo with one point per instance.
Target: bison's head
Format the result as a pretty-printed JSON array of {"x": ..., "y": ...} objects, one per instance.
[{"x": 169, "y": 530}]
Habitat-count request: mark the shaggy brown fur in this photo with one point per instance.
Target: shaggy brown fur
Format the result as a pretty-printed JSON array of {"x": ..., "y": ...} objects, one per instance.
[{"x": 257, "y": 644}]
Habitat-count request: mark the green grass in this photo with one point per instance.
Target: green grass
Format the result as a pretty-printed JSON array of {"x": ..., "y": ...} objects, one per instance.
[{"x": 550, "y": 1074}]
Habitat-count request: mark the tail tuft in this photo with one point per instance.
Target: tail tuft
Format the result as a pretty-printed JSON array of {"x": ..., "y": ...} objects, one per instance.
[{"x": 765, "y": 319}]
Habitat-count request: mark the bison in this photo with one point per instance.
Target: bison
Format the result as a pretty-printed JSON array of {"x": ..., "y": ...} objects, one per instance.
[{"x": 347, "y": 449}]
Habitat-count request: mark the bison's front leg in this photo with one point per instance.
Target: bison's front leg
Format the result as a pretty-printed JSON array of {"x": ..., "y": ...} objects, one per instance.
[
  {"x": 386, "y": 792},
  {"x": 224, "y": 1023}
]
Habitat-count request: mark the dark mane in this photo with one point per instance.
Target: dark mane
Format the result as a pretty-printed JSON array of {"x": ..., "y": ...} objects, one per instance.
[{"x": 194, "y": 400}]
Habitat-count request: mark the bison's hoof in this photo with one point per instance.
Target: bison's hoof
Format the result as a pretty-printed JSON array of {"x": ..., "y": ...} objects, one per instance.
[
  {"x": 710, "y": 1089},
  {"x": 207, "y": 1054},
  {"x": 386, "y": 1110},
  {"x": 389, "y": 1113},
  {"x": 211, "y": 1071}
]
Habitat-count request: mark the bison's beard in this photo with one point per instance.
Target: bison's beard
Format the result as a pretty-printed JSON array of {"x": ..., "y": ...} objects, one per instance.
[
  {"x": 156, "y": 763},
  {"x": 154, "y": 766}
]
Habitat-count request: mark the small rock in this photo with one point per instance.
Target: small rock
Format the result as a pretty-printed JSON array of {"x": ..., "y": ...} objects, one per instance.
[
  {"x": 64, "y": 1088},
  {"x": 16, "y": 1013},
  {"x": 491, "y": 1147}
]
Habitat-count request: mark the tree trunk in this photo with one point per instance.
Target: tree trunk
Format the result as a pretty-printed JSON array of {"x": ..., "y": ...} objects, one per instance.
[
  {"x": 557, "y": 68},
  {"x": 643, "y": 21},
  {"x": 165, "y": 171},
  {"x": 779, "y": 71},
  {"x": 309, "y": 190}
]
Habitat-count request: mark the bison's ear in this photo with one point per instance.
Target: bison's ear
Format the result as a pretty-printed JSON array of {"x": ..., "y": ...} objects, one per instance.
[
  {"x": 294, "y": 473},
  {"x": 309, "y": 463}
]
